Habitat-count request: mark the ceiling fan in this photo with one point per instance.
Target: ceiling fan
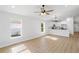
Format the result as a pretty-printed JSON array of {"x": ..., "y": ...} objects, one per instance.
[{"x": 43, "y": 11}]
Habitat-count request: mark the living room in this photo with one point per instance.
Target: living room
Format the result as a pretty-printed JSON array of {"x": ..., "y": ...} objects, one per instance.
[{"x": 43, "y": 26}]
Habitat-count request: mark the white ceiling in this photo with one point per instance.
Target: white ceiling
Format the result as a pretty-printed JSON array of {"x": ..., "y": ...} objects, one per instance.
[{"x": 28, "y": 10}]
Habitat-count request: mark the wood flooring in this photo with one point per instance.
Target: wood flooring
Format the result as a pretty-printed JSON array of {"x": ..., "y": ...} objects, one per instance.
[{"x": 46, "y": 44}]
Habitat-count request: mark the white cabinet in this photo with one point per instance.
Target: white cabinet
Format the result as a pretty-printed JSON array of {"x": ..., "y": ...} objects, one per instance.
[
  {"x": 58, "y": 28},
  {"x": 59, "y": 32}
]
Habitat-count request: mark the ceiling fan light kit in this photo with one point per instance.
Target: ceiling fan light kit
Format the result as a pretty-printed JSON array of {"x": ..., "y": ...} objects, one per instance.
[{"x": 43, "y": 14}]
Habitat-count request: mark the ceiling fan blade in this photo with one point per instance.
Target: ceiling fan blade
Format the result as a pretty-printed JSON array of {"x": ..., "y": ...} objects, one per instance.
[
  {"x": 49, "y": 10},
  {"x": 43, "y": 11},
  {"x": 47, "y": 13}
]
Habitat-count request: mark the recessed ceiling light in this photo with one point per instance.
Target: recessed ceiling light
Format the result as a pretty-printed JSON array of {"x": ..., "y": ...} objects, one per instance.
[{"x": 12, "y": 6}]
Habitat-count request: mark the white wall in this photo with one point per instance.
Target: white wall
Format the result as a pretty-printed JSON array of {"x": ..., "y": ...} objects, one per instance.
[
  {"x": 70, "y": 24},
  {"x": 76, "y": 24},
  {"x": 31, "y": 28}
]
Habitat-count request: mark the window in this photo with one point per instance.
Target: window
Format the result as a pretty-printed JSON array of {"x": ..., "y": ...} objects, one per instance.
[
  {"x": 16, "y": 28},
  {"x": 42, "y": 27}
]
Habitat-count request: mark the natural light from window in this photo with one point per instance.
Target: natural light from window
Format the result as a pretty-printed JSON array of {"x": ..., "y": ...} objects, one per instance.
[
  {"x": 51, "y": 37},
  {"x": 20, "y": 48}
]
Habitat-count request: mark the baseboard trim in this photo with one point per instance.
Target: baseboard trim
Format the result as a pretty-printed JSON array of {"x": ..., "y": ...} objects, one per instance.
[{"x": 14, "y": 43}]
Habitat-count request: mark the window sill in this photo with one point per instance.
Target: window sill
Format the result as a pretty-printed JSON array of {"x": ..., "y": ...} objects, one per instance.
[{"x": 16, "y": 37}]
